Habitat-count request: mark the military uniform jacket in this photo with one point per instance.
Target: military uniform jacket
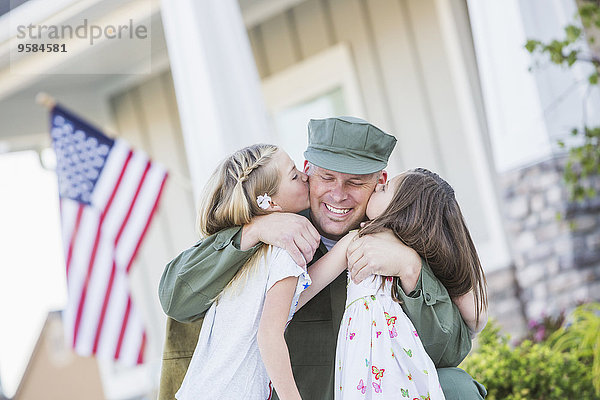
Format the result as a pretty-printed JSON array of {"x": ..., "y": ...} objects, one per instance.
[{"x": 198, "y": 274}]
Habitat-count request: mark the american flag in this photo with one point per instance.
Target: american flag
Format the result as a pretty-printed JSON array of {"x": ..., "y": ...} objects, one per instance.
[{"x": 108, "y": 196}]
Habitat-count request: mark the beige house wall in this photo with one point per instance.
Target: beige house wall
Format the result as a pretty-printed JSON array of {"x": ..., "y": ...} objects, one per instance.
[{"x": 54, "y": 372}]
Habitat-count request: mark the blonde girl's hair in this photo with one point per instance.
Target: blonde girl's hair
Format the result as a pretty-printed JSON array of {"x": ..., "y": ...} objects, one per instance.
[
  {"x": 425, "y": 215},
  {"x": 229, "y": 197}
]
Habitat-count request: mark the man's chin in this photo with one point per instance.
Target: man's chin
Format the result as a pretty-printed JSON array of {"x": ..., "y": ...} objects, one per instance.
[
  {"x": 336, "y": 231},
  {"x": 332, "y": 229}
]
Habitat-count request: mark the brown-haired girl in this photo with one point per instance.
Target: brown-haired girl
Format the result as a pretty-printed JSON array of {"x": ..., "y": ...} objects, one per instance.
[{"x": 379, "y": 353}]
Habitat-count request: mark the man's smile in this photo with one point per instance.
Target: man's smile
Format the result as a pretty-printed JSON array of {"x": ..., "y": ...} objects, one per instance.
[{"x": 338, "y": 212}]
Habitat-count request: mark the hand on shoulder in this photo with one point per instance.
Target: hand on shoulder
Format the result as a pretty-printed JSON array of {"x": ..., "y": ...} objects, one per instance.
[
  {"x": 289, "y": 231},
  {"x": 383, "y": 254}
]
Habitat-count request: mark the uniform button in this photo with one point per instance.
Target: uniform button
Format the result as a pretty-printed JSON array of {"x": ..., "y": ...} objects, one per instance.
[
  {"x": 219, "y": 245},
  {"x": 427, "y": 297}
]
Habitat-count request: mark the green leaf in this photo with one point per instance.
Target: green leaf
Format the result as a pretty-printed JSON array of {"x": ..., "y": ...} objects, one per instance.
[
  {"x": 593, "y": 78},
  {"x": 572, "y": 57},
  {"x": 558, "y": 216},
  {"x": 531, "y": 45},
  {"x": 590, "y": 193},
  {"x": 573, "y": 33}
]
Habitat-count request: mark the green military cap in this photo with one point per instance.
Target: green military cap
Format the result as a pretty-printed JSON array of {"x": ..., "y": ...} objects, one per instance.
[{"x": 348, "y": 144}]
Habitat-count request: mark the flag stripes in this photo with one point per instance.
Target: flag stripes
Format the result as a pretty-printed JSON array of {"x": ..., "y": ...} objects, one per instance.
[{"x": 101, "y": 238}]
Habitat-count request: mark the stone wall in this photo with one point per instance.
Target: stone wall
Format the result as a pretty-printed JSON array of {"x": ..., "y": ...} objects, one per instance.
[{"x": 555, "y": 246}]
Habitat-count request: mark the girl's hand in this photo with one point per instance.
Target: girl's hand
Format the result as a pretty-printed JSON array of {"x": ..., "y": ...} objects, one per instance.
[
  {"x": 327, "y": 268},
  {"x": 383, "y": 254},
  {"x": 291, "y": 232}
]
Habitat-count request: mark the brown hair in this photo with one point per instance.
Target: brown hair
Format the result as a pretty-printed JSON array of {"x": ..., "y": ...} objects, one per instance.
[
  {"x": 425, "y": 215},
  {"x": 229, "y": 197}
]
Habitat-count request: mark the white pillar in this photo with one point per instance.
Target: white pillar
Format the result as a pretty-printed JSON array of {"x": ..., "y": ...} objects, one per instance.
[
  {"x": 515, "y": 115},
  {"x": 216, "y": 82},
  {"x": 491, "y": 246}
]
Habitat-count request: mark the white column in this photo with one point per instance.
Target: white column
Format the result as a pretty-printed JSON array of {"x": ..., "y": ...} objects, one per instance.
[
  {"x": 515, "y": 115},
  {"x": 491, "y": 246},
  {"x": 216, "y": 82}
]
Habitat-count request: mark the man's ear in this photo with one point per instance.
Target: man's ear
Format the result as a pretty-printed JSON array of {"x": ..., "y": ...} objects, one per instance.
[
  {"x": 306, "y": 166},
  {"x": 382, "y": 177},
  {"x": 274, "y": 207}
]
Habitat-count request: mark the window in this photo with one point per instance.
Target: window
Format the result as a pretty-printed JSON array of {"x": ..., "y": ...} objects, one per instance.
[{"x": 322, "y": 86}]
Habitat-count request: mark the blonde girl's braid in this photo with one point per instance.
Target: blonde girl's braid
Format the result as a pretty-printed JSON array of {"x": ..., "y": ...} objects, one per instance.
[
  {"x": 243, "y": 205},
  {"x": 229, "y": 199}
]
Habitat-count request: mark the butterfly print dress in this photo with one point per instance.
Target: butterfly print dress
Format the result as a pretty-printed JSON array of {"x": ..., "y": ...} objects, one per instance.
[
  {"x": 226, "y": 364},
  {"x": 379, "y": 353}
]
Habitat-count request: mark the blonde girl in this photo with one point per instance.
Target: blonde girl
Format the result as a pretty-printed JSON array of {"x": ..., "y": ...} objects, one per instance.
[
  {"x": 379, "y": 353},
  {"x": 241, "y": 351}
]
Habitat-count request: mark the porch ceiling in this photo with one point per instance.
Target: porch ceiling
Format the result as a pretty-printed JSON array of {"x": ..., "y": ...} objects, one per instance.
[{"x": 22, "y": 121}]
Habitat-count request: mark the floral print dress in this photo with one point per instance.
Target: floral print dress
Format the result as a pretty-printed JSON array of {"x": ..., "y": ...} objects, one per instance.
[{"x": 379, "y": 353}]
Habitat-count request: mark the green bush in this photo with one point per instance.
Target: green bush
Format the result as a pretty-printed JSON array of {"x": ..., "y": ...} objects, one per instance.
[
  {"x": 582, "y": 337},
  {"x": 529, "y": 370}
]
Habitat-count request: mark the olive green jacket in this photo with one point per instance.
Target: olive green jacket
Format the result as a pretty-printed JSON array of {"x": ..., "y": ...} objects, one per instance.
[{"x": 198, "y": 274}]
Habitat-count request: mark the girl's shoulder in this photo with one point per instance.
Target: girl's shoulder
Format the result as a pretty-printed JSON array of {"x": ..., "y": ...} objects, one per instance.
[
  {"x": 281, "y": 265},
  {"x": 281, "y": 257}
]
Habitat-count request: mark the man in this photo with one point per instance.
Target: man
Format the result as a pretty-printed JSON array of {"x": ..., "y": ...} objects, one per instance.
[{"x": 345, "y": 160}]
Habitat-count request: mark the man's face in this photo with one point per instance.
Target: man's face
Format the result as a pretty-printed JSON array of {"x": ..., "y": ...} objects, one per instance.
[{"x": 338, "y": 201}]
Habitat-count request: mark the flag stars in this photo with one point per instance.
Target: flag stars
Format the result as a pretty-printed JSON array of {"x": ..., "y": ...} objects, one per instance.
[
  {"x": 91, "y": 143},
  {"x": 59, "y": 120},
  {"x": 80, "y": 158},
  {"x": 56, "y": 133},
  {"x": 79, "y": 136}
]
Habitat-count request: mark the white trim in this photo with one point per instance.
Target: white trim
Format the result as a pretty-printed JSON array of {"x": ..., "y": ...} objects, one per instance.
[
  {"x": 494, "y": 252},
  {"x": 35, "y": 142},
  {"x": 29, "y": 69},
  {"x": 326, "y": 71},
  {"x": 258, "y": 11},
  {"x": 34, "y": 11},
  {"x": 309, "y": 84},
  {"x": 516, "y": 123}
]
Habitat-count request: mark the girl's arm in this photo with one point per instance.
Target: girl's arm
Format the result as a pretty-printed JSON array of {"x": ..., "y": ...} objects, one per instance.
[
  {"x": 466, "y": 305},
  {"x": 271, "y": 343},
  {"x": 327, "y": 268}
]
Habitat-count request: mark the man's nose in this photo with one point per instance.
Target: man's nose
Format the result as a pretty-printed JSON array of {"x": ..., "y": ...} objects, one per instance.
[{"x": 338, "y": 193}]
